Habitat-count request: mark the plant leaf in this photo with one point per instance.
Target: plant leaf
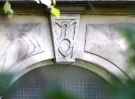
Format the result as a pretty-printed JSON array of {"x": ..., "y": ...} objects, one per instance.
[
  {"x": 10, "y": 13},
  {"x": 8, "y": 10},
  {"x": 6, "y": 7},
  {"x": 5, "y": 80},
  {"x": 54, "y": 2},
  {"x": 55, "y": 11}
]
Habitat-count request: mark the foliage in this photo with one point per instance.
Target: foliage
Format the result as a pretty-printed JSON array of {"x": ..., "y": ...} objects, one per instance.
[
  {"x": 129, "y": 33},
  {"x": 49, "y": 3},
  {"x": 7, "y": 9},
  {"x": 126, "y": 90},
  {"x": 118, "y": 90},
  {"x": 5, "y": 80},
  {"x": 55, "y": 11}
]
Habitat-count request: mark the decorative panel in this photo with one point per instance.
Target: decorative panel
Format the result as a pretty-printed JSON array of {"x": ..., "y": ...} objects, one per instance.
[
  {"x": 104, "y": 40},
  {"x": 64, "y": 34},
  {"x": 19, "y": 41}
]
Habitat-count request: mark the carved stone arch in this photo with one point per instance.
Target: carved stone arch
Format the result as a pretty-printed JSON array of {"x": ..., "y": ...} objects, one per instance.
[
  {"x": 104, "y": 64},
  {"x": 90, "y": 66},
  {"x": 82, "y": 64}
]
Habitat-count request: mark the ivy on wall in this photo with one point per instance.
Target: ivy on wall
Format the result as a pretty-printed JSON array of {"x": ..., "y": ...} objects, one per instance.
[{"x": 49, "y": 3}]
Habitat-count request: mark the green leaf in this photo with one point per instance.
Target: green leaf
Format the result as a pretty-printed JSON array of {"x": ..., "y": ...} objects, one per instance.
[
  {"x": 6, "y": 7},
  {"x": 55, "y": 11},
  {"x": 54, "y": 2},
  {"x": 10, "y": 13},
  {"x": 8, "y": 10},
  {"x": 5, "y": 80}
]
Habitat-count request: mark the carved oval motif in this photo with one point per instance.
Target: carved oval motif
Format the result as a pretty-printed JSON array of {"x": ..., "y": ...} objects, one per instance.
[{"x": 64, "y": 47}]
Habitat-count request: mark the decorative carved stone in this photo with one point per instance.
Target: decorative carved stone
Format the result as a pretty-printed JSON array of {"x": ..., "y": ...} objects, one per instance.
[
  {"x": 104, "y": 40},
  {"x": 64, "y": 34},
  {"x": 19, "y": 41}
]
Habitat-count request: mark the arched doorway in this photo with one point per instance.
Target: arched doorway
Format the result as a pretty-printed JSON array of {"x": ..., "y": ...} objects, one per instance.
[{"x": 77, "y": 81}]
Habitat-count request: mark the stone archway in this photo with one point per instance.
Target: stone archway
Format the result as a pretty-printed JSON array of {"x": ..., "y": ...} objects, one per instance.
[
  {"x": 86, "y": 40},
  {"x": 76, "y": 80}
]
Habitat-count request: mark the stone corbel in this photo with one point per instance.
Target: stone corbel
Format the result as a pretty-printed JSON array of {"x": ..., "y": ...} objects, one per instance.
[{"x": 64, "y": 35}]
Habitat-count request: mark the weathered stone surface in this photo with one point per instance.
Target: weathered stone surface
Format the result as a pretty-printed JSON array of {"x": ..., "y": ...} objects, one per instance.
[
  {"x": 20, "y": 40},
  {"x": 64, "y": 34},
  {"x": 105, "y": 41},
  {"x": 26, "y": 39}
]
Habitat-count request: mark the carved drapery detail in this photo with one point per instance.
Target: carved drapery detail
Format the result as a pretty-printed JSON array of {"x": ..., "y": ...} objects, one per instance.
[{"x": 64, "y": 34}]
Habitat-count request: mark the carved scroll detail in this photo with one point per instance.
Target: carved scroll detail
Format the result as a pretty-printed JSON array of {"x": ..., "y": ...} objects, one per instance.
[{"x": 64, "y": 32}]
